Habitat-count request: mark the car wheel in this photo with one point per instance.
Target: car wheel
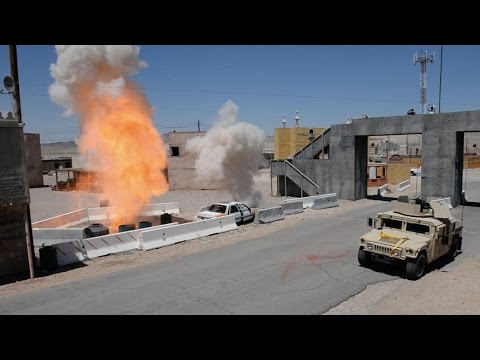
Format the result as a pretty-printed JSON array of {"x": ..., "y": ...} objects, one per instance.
[
  {"x": 415, "y": 268},
  {"x": 364, "y": 258}
]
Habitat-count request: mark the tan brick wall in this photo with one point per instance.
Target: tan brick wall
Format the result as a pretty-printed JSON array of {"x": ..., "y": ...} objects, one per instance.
[{"x": 287, "y": 141}]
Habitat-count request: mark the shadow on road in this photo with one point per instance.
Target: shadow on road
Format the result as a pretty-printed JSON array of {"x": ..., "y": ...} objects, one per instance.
[
  {"x": 382, "y": 198},
  {"x": 399, "y": 270},
  {"x": 8, "y": 279}
]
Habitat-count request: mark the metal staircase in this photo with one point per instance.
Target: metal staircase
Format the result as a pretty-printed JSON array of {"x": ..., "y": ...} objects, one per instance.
[
  {"x": 317, "y": 149},
  {"x": 284, "y": 169}
]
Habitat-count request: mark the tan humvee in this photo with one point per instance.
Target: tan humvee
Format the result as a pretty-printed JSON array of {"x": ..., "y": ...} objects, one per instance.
[{"x": 415, "y": 233}]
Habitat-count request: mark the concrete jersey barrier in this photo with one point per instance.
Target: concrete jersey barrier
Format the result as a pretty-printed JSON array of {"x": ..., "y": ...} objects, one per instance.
[
  {"x": 155, "y": 238},
  {"x": 404, "y": 185},
  {"x": 264, "y": 216},
  {"x": 72, "y": 246},
  {"x": 325, "y": 201},
  {"x": 382, "y": 190},
  {"x": 292, "y": 207}
]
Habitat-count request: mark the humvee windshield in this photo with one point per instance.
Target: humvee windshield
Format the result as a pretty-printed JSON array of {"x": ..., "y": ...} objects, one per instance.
[
  {"x": 418, "y": 228},
  {"x": 394, "y": 224},
  {"x": 411, "y": 227}
]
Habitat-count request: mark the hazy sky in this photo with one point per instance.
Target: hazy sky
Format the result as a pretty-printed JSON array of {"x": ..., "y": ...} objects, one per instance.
[{"x": 325, "y": 83}]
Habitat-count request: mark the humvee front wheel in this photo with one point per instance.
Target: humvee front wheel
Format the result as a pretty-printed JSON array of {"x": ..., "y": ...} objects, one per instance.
[
  {"x": 364, "y": 258},
  {"x": 416, "y": 267}
]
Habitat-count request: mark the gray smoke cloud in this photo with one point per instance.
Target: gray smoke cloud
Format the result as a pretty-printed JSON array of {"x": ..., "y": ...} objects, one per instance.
[
  {"x": 230, "y": 152},
  {"x": 103, "y": 66}
]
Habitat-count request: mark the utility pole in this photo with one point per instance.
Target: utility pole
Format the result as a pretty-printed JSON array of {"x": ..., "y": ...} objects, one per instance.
[
  {"x": 17, "y": 111},
  {"x": 440, "y": 87},
  {"x": 423, "y": 59},
  {"x": 198, "y": 123}
]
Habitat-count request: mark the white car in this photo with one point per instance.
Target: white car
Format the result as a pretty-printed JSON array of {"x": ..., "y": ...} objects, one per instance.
[
  {"x": 242, "y": 212},
  {"x": 416, "y": 171}
]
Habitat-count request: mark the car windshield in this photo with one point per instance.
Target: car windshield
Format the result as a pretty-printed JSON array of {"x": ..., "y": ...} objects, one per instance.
[{"x": 217, "y": 208}]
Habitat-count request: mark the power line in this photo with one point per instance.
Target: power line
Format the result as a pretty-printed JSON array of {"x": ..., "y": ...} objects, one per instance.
[
  {"x": 223, "y": 92},
  {"x": 256, "y": 94}
]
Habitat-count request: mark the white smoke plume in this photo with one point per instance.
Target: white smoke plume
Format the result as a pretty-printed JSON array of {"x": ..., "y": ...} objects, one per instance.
[
  {"x": 105, "y": 66},
  {"x": 231, "y": 151}
]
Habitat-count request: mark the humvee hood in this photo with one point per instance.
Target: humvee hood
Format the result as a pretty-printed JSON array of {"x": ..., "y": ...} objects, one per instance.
[{"x": 396, "y": 238}]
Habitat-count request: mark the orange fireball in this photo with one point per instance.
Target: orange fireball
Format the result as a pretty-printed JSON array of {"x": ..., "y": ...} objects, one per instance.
[{"x": 121, "y": 143}]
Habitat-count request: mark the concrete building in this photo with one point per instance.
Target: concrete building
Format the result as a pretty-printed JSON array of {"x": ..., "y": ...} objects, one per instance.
[
  {"x": 345, "y": 170},
  {"x": 269, "y": 148},
  {"x": 472, "y": 143},
  {"x": 181, "y": 164},
  {"x": 52, "y": 163},
  {"x": 14, "y": 199},
  {"x": 33, "y": 158}
]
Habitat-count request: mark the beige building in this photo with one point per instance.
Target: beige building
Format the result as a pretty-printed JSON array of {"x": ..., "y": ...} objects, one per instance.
[{"x": 288, "y": 141}]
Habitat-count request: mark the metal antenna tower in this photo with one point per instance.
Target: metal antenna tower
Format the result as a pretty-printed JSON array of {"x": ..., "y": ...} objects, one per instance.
[{"x": 423, "y": 59}]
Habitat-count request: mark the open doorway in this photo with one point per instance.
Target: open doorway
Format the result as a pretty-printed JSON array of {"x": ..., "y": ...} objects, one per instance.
[
  {"x": 394, "y": 166},
  {"x": 470, "y": 174}
]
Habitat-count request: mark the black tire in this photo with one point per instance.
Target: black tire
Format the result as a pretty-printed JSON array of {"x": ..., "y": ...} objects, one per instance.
[
  {"x": 453, "y": 249},
  {"x": 415, "y": 268},
  {"x": 364, "y": 258}
]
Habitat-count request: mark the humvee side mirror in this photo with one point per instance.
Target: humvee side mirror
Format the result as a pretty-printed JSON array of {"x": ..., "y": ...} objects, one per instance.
[{"x": 370, "y": 222}]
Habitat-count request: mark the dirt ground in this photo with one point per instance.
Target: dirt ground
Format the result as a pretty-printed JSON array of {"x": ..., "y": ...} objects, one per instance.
[{"x": 447, "y": 292}]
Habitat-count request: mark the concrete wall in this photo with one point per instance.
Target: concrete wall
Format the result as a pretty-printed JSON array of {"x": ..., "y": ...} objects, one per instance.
[
  {"x": 14, "y": 196},
  {"x": 33, "y": 157},
  {"x": 181, "y": 169},
  {"x": 442, "y": 139}
]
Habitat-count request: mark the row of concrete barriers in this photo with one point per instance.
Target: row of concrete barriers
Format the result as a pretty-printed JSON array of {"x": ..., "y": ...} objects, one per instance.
[
  {"x": 294, "y": 206},
  {"x": 77, "y": 249},
  {"x": 71, "y": 244}
]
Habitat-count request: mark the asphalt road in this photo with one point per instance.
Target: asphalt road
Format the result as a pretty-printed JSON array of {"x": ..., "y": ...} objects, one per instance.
[{"x": 304, "y": 269}]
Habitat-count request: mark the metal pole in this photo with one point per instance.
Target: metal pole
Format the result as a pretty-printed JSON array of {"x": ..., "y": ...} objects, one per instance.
[
  {"x": 198, "y": 123},
  {"x": 17, "y": 110},
  {"x": 301, "y": 190},
  {"x": 271, "y": 179},
  {"x": 278, "y": 181},
  {"x": 440, "y": 87},
  {"x": 31, "y": 264},
  {"x": 285, "y": 177}
]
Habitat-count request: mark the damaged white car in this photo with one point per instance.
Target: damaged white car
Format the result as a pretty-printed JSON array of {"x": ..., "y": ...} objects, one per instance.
[{"x": 242, "y": 212}]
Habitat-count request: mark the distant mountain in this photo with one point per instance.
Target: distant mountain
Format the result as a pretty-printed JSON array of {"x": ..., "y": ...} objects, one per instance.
[
  {"x": 67, "y": 148},
  {"x": 61, "y": 144}
]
